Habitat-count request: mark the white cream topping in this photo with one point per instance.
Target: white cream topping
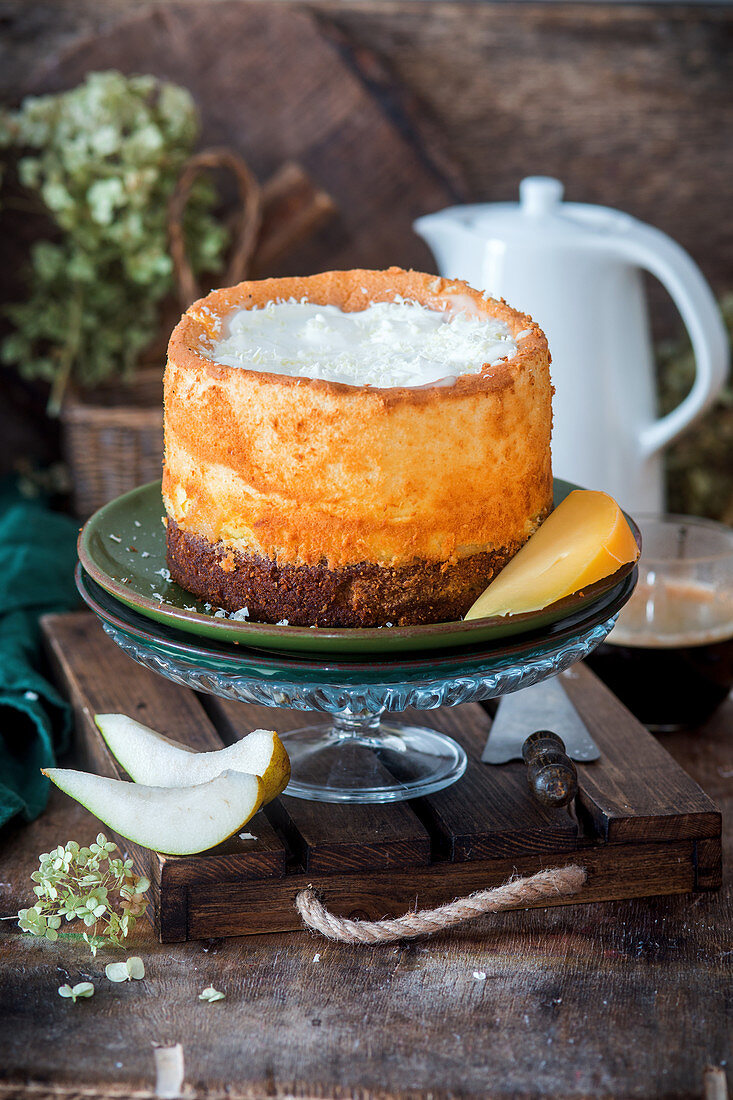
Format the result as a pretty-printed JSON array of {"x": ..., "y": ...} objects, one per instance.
[{"x": 397, "y": 343}]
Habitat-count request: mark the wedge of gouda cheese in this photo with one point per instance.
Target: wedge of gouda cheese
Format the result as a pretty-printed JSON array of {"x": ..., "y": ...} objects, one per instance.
[{"x": 585, "y": 539}]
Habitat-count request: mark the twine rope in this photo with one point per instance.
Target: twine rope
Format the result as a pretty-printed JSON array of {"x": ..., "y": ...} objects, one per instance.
[{"x": 514, "y": 894}]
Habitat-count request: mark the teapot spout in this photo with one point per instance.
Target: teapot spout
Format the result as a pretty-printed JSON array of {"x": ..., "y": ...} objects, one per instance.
[{"x": 457, "y": 247}]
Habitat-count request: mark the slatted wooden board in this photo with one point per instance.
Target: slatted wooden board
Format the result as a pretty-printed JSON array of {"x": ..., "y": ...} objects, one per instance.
[{"x": 640, "y": 825}]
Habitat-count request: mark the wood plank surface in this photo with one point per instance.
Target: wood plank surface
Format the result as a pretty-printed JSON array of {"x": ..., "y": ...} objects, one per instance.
[
  {"x": 329, "y": 836},
  {"x": 649, "y": 799},
  {"x": 623, "y": 102},
  {"x": 491, "y": 813},
  {"x": 616, "y": 99},
  {"x": 577, "y": 1001},
  {"x": 169, "y": 910},
  {"x": 377, "y": 859},
  {"x": 624, "y": 999},
  {"x": 626, "y": 872},
  {"x": 332, "y": 837}
]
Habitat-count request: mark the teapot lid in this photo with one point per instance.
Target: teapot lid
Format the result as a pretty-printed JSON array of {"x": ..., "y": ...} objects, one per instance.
[
  {"x": 540, "y": 195},
  {"x": 541, "y": 212}
]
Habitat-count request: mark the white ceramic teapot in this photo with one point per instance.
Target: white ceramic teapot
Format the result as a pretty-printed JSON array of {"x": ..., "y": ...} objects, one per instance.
[{"x": 577, "y": 269}]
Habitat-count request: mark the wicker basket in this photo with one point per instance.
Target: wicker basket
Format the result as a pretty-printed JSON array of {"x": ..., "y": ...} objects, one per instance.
[{"x": 113, "y": 439}]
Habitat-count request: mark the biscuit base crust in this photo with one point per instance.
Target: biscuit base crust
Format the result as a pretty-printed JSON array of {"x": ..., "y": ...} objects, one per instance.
[{"x": 363, "y": 595}]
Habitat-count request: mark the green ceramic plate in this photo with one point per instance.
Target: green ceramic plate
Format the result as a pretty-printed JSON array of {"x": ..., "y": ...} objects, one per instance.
[{"x": 122, "y": 547}]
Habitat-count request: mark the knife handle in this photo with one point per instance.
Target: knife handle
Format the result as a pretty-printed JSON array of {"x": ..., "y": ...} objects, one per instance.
[{"x": 551, "y": 774}]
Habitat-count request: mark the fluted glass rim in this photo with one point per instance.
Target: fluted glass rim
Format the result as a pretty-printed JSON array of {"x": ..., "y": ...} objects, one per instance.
[{"x": 316, "y": 694}]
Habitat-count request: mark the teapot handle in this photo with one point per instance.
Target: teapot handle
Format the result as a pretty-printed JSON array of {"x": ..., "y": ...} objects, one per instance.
[{"x": 679, "y": 274}]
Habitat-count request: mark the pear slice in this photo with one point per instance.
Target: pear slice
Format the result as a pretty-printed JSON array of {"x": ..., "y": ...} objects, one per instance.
[
  {"x": 149, "y": 757},
  {"x": 178, "y": 821}
]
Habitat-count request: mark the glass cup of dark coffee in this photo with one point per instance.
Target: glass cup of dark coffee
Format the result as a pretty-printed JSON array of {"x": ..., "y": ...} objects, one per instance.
[{"x": 670, "y": 656}]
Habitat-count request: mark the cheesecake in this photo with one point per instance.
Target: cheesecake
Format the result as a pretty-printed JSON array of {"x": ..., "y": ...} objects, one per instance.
[{"x": 355, "y": 448}]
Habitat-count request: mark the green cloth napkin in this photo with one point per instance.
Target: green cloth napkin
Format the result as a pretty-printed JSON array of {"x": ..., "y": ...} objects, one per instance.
[{"x": 37, "y": 558}]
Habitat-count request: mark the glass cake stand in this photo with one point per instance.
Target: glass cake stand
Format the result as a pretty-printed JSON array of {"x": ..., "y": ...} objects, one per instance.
[{"x": 357, "y": 754}]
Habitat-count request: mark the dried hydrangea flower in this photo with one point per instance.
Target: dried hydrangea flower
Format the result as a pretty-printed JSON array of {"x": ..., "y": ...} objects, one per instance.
[
  {"x": 104, "y": 158},
  {"x": 76, "y": 883},
  {"x": 210, "y": 994},
  {"x": 124, "y": 971},
  {"x": 83, "y": 989}
]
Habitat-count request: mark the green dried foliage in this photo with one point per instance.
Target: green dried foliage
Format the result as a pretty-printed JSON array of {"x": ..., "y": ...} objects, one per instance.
[
  {"x": 89, "y": 886},
  {"x": 103, "y": 159},
  {"x": 211, "y": 995},
  {"x": 699, "y": 466},
  {"x": 125, "y": 971},
  {"x": 83, "y": 989}
]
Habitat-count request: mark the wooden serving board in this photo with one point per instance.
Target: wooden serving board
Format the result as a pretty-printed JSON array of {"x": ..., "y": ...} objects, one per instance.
[{"x": 640, "y": 825}]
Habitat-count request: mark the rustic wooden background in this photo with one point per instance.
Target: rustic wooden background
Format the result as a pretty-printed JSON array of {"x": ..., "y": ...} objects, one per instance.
[
  {"x": 630, "y": 105},
  {"x": 618, "y": 1000}
]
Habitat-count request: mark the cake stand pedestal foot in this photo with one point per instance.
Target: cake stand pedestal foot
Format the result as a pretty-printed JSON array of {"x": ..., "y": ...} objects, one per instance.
[{"x": 359, "y": 757}]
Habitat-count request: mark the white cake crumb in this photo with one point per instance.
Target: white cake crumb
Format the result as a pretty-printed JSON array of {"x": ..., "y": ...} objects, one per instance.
[
  {"x": 480, "y": 975},
  {"x": 115, "y": 538}
]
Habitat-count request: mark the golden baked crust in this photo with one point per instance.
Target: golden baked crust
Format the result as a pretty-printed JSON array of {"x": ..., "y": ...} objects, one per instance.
[{"x": 306, "y": 472}]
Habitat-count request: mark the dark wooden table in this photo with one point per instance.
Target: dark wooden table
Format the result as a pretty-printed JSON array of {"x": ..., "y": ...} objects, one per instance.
[{"x": 624, "y": 999}]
